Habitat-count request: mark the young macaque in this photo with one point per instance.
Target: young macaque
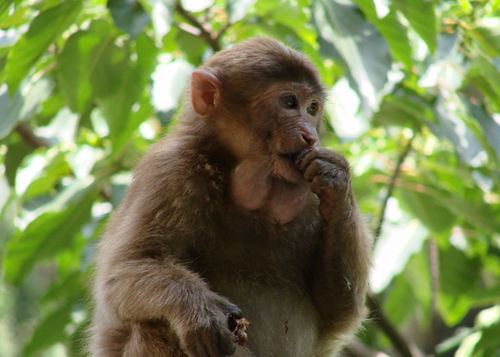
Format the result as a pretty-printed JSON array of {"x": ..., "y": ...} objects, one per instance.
[{"x": 237, "y": 215}]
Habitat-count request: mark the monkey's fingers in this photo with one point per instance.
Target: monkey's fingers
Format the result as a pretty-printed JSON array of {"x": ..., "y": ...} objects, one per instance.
[{"x": 238, "y": 333}]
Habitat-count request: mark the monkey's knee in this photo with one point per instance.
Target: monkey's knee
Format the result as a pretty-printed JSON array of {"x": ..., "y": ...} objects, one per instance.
[{"x": 152, "y": 339}]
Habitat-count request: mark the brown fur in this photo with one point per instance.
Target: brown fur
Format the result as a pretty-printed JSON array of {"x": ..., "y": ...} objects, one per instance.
[{"x": 216, "y": 221}]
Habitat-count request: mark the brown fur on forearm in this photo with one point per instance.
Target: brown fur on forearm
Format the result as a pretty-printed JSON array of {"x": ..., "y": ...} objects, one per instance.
[
  {"x": 153, "y": 289},
  {"x": 341, "y": 279}
]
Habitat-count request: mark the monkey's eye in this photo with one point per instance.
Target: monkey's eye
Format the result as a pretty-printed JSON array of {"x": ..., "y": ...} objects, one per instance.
[
  {"x": 312, "y": 109},
  {"x": 289, "y": 101}
]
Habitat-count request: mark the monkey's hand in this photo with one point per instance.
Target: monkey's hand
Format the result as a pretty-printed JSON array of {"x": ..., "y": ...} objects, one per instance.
[
  {"x": 328, "y": 173},
  {"x": 210, "y": 336}
]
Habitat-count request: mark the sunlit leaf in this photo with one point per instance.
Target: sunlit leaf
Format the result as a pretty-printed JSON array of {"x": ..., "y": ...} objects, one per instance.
[
  {"x": 78, "y": 61},
  {"x": 45, "y": 236},
  {"x": 43, "y": 30},
  {"x": 237, "y": 9},
  {"x": 421, "y": 16},
  {"x": 430, "y": 212},
  {"x": 459, "y": 275},
  {"x": 129, "y": 16},
  {"x": 21, "y": 106},
  {"x": 487, "y": 33},
  {"x": 394, "y": 32},
  {"x": 359, "y": 45},
  {"x": 50, "y": 330},
  {"x": 405, "y": 111}
]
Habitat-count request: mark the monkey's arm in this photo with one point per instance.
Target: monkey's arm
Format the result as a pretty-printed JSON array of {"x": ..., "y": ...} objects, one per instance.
[
  {"x": 144, "y": 289},
  {"x": 340, "y": 280}
]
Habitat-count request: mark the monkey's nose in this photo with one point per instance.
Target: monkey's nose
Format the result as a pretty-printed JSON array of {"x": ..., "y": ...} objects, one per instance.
[{"x": 309, "y": 138}]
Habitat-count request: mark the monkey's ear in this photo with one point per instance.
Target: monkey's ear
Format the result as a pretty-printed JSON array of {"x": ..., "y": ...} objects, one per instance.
[{"x": 205, "y": 93}]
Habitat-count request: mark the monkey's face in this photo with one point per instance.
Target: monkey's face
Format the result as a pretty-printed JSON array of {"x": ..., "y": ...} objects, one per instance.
[
  {"x": 286, "y": 119},
  {"x": 271, "y": 125}
]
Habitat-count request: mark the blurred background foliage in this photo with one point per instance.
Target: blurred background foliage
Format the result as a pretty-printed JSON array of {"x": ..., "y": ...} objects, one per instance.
[{"x": 414, "y": 103}]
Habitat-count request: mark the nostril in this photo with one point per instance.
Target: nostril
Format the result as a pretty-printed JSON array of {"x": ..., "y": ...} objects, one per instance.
[{"x": 310, "y": 140}]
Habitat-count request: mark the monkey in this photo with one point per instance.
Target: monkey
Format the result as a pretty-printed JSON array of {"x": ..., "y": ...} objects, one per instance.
[{"x": 238, "y": 212}]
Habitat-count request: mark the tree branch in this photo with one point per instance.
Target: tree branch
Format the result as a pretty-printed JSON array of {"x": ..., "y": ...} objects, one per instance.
[
  {"x": 404, "y": 348},
  {"x": 390, "y": 188},
  {"x": 204, "y": 33},
  {"x": 379, "y": 317},
  {"x": 29, "y": 137}
]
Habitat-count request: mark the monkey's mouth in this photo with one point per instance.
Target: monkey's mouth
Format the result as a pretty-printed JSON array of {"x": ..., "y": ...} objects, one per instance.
[
  {"x": 292, "y": 156},
  {"x": 285, "y": 168}
]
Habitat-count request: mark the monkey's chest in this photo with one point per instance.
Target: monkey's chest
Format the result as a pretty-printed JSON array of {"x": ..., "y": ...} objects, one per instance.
[
  {"x": 284, "y": 320},
  {"x": 268, "y": 280}
]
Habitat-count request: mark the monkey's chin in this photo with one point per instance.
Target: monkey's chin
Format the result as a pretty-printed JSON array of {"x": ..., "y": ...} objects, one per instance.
[{"x": 283, "y": 168}]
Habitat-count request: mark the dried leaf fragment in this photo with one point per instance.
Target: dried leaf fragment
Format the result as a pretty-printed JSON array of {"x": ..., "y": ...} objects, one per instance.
[{"x": 238, "y": 329}]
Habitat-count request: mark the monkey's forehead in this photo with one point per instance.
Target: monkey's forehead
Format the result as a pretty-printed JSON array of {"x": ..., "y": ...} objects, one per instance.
[{"x": 263, "y": 59}]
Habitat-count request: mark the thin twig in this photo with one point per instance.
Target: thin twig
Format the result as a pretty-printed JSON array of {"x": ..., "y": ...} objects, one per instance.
[
  {"x": 204, "y": 33},
  {"x": 376, "y": 312},
  {"x": 378, "y": 316},
  {"x": 391, "y": 186},
  {"x": 29, "y": 137},
  {"x": 222, "y": 30}
]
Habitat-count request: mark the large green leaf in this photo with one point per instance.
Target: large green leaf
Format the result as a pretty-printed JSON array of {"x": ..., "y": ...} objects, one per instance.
[
  {"x": 237, "y": 9},
  {"x": 129, "y": 16},
  {"x": 458, "y": 274},
  {"x": 78, "y": 61},
  {"x": 403, "y": 110},
  {"x": 430, "y": 212},
  {"x": 118, "y": 84},
  {"x": 43, "y": 31},
  {"x": 476, "y": 213},
  {"x": 48, "y": 234},
  {"x": 347, "y": 36},
  {"x": 486, "y": 77},
  {"x": 21, "y": 106},
  {"x": 50, "y": 330},
  {"x": 394, "y": 32},
  {"x": 4, "y": 4},
  {"x": 421, "y": 16},
  {"x": 487, "y": 33}
]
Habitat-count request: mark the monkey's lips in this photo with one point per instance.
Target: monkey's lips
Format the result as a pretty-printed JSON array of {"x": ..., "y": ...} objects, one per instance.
[{"x": 284, "y": 167}]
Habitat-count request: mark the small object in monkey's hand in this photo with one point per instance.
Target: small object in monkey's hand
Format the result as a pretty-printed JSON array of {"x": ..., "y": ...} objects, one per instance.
[{"x": 238, "y": 328}]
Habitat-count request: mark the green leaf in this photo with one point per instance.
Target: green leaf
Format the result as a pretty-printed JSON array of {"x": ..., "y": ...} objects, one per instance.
[
  {"x": 48, "y": 234},
  {"x": 5, "y": 4},
  {"x": 294, "y": 18},
  {"x": 162, "y": 14},
  {"x": 421, "y": 16},
  {"x": 77, "y": 63},
  {"x": 43, "y": 31},
  {"x": 394, "y": 32},
  {"x": 404, "y": 111},
  {"x": 237, "y": 9},
  {"x": 486, "y": 77},
  {"x": 430, "y": 212},
  {"x": 16, "y": 152},
  {"x": 345, "y": 34},
  {"x": 49, "y": 177},
  {"x": 474, "y": 212},
  {"x": 21, "y": 106},
  {"x": 10, "y": 109},
  {"x": 458, "y": 274},
  {"x": 487, "y": 34},
  {"x": 129, "y": 16},
  {"x": 50, "y": 330}
]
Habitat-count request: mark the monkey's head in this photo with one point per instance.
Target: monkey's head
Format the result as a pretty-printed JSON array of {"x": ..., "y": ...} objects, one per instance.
[{"x": 265, "y": 101}]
